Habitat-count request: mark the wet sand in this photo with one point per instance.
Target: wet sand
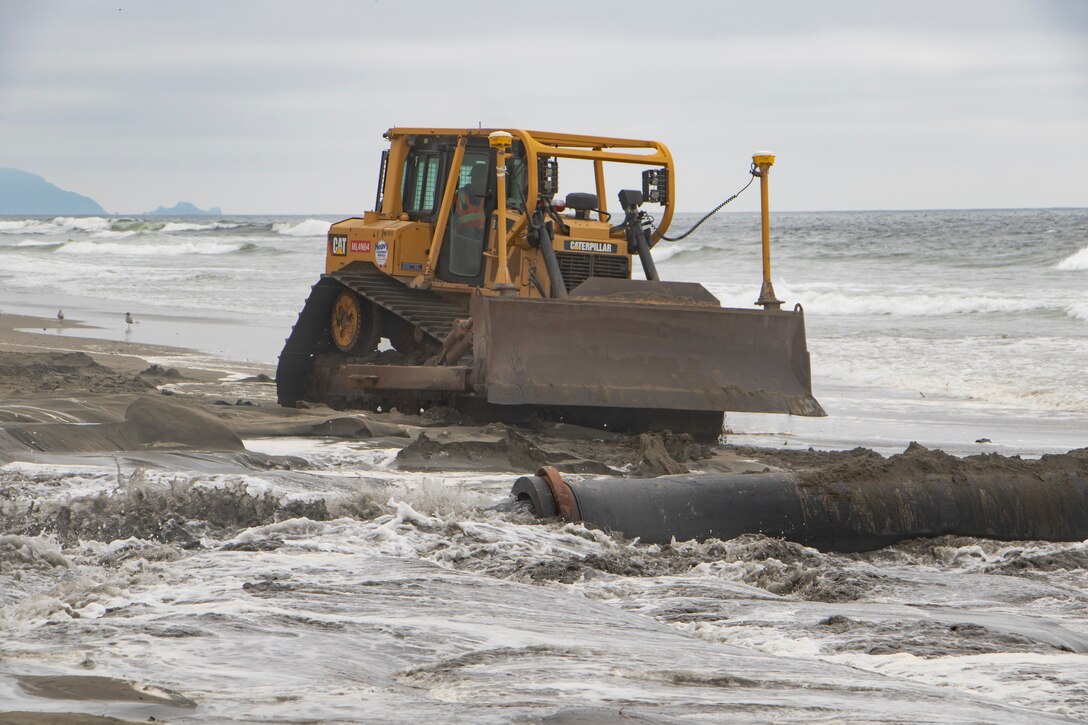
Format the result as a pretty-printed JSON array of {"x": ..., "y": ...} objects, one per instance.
[
  {"x": 64, "y": 396},
  {"x": 79, "y": 400}
]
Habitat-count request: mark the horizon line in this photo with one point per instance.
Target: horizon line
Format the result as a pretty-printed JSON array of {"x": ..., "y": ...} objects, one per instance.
[{"x": 348, "y": 215}]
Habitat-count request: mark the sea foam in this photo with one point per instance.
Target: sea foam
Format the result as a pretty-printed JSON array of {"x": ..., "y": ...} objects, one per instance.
[
  {"x": 191, "y": 227},
  {"x": 837, "y": 303},
  {"x": 308, "y": 228},
  {"x": 110, "y": 234},
  {"x": 58, "y": 224},
  {"x": 1078, "y": 311},
  {"x": 82, "y": 224},
  {"x": 151, "y": 250},
  {"x": 35, "y": 243},
  {"x": 1075, "y": 261}
]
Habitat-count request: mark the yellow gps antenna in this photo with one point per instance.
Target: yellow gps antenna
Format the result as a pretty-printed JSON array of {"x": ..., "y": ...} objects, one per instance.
[
  {"x": 761, "y": 167},
  {"x": 500, "y": 141}
]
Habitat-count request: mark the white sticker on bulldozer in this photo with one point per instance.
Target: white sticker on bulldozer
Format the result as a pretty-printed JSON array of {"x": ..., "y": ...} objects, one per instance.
[
  {"x": 572, "y": 245},
  {"x": 381, "y": 253}
]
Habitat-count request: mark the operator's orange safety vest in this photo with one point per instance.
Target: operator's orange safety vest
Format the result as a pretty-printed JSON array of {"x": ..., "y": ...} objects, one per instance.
[{"x": 469, "y": 213}]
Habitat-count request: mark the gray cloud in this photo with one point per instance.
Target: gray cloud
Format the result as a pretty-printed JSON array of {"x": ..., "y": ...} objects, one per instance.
[{"x": 279, "y": 107}]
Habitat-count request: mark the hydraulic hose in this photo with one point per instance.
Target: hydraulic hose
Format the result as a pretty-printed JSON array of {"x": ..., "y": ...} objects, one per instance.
[
  {"x": 544, "y": 234},
  {"x": 710, "y": 213},
  {"x": 643, "y": 246}
]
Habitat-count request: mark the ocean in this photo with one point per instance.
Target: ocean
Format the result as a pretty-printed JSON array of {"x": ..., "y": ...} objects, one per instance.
[
  {"x": 942, "y": 327},
  {"x": 425, "y": 597}
]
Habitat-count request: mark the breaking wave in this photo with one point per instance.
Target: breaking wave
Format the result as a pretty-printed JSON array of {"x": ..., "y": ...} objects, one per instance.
[
  {"x": 58, "y": 224},
  {"x": 154, "y": 250},
  {"x": 308, "y": 228},
  {"x": 111, "y": 234},
  {"x": 27, "y": 226},
  {"x": 664, "y": 253},
  {"x": 1002, "y": 372},
  {"x": 192, "y": 227},
  {"x": 38, "y": 245},
  {"x": 1078, "y": 311},
  {"x": 1075, "y": 261},
  {"x": 837, "y": 303},
  {"x": 102, "y": 227}
]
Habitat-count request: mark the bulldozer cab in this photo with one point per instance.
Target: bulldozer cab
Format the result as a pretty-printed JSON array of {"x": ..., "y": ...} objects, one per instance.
[
  {"x": 466, "y": 233},
  {"x": 498, "y": 293},
  {"x": 448, "y": 180}
]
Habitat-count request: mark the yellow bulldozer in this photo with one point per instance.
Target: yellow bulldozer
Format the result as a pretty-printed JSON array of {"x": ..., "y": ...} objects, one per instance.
[{"x": 473, "y": 285}]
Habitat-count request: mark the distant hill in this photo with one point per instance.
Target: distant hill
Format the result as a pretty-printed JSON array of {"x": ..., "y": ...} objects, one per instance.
[
  {"x": 25, "y": 193},
  {"x": 184, "y": 208}
]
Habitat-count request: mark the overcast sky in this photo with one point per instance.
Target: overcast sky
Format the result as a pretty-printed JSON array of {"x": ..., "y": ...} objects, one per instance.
[{"x": 279, "y": 107}]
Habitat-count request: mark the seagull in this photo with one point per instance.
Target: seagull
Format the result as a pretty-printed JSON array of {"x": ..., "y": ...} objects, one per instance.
[
  {"x": 60, "y": 315},
  {"x": 128, "y": 317}
]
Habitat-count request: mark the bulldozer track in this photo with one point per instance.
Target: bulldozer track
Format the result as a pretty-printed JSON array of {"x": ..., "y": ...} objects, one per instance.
[
  {"x": 421, "y": 308},
  {"x": 309, "y": 338}
]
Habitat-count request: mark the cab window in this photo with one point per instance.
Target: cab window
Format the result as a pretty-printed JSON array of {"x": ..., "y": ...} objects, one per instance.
[
  {"x": 516, "y": 182},
  {"x": 420, "y": 182}
]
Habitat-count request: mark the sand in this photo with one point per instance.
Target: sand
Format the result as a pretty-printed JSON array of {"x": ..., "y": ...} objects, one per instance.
[
  {"x": 88, "y": 689},
  {"x": 63, "y": 398},
  {"x": 64, "y": 395}
]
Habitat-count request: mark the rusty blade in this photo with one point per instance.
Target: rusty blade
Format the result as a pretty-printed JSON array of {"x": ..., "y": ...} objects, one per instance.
[{"x": 598, "y": 352}]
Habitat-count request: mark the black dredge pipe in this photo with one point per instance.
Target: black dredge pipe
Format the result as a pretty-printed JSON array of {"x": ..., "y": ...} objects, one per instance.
[{"x": 829, "y": 515}]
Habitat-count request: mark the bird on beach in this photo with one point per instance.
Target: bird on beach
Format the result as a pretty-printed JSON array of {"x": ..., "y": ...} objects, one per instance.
[
  {"x": 128, "y": 318},
  {"x": 60, "y": 315}
]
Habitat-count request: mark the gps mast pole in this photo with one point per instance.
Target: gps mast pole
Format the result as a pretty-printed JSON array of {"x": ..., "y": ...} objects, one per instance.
[
  {"x": 762, "y": 162},
  {"x": 500, "y": 141}
]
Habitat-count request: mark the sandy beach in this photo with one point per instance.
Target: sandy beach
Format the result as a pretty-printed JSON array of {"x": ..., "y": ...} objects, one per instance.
[
  {"x": 74, "y": 409},
  {"x": 55, "y": 386}
]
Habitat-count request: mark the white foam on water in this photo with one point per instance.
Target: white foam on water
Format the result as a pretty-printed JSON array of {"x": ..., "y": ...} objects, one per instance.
[
  {"x": 1057, "y": 682},
  {"x": 35, "y": 243},
  {"x": 110, "y": 234},
  {"x": 1075, "y": 261},
  {"x": 53, "y": 226},
  {"x": 34, "y": 549},
  {"x": 665, "y": 251},
  {"x": 921, "y": 305},
  {"x": 28, "y": 226},
  {"x": 1078, "y": 310},
  {"x": 82, "y": 224},
  {"x": 415, "y": 593},
  {"x": 194, "y": 227},
  {"x": 308, "y": 228},
  {"x": 1001, "y": 371},
  {"x": 7, "y": 225},
  {"x": 166, "y": 249}
]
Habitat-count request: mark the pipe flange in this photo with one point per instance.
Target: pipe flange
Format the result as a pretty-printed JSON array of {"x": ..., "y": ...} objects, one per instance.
[
  {"x": 536, "y": 491},
  {"x": 566, "y": 504}
]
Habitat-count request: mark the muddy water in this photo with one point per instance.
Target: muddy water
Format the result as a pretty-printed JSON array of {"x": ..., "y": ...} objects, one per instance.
[{"x": 353, "y": 590}]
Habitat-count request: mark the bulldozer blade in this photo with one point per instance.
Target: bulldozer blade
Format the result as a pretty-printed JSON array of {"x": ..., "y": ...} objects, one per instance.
[{"x": 670, "y": 350}]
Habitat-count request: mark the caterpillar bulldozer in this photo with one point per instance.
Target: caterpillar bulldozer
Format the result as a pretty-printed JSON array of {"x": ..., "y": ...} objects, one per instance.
[{"x": 471, "y": 284}]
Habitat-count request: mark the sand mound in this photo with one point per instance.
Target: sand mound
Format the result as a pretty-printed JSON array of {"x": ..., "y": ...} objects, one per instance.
[
  {"x": 918, "y": 463},
  {"x": 655, "y": 459},
  {"x": 155, "y": 422},
  {"x": 499, "y": 447},
  {"x": 89, "y": 687},
  {"x": 496, "y": 447},
  {"x": 151, "y": 423},
  {"x": 58, "y": 718},
  {"x": 265, "y": 422},
  {"x": 23, "y": 373}
]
